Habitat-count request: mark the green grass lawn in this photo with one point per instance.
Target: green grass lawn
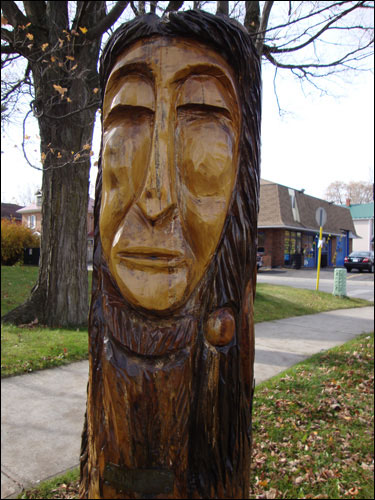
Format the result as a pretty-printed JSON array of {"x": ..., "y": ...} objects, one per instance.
[
  {"x": 25, "y": 349},
  {"x": 278, "y": 302},
  {"x": 16, "y": 283},
  {"x": 312, "y": 430}
]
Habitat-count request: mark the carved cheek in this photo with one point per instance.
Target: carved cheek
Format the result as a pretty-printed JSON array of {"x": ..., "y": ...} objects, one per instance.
[
  {"x": 126, "y": 150},
  {"x": 207, "y": 173}
]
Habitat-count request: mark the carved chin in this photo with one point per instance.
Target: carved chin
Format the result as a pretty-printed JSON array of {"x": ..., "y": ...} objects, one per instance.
[{"x": 154, "y": 288}]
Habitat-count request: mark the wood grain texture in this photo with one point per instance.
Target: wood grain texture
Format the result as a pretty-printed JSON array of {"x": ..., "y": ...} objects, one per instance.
[{"x": 170, "y": 389}]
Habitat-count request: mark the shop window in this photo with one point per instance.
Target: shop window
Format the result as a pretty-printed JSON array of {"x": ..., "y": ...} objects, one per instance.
[
  {"x": 292, "y": 245},
  {"x": 261, "y": 239}
]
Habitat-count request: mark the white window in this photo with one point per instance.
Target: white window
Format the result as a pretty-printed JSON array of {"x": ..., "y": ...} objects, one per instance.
[{"x": 31, "y": 221}]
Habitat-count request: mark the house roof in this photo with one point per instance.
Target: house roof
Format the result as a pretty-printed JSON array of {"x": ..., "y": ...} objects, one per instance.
[
  {"x": 37, "y": 208},
  {"x": 9, "y": 210},
  {"x": 362, "y": 211},
  {"x": 33, "y": 208},
  {"x": 284, "y": 207}
]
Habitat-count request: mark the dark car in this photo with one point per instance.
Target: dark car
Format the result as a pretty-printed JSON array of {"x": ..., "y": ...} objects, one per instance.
[{"x": 360, "y": 261}]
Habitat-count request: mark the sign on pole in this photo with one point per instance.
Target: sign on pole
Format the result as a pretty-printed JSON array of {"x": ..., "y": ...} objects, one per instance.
[
  {"x": 321, "y": 219},
  {"x": 320, "y": 216}
]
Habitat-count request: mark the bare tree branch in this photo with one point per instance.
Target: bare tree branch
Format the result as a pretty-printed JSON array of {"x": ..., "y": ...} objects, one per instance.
[
  {"x": 317, "y": 35},
  {"x": 13, "y": 14},
  {"x": 134, "y": 8},
  {"x": 346, "y": 58},
  {"x": 252, "y": 17},
  {"x": 311, "y": 14},
  {"x": 263, "y": 25},
  {"x": 17, "y": 85},
  {"x": 222, "y": 8},
  {"x": 107, "y": 21},
  {"x": 173, "y": 5},
  {"x": 142, "y": 7},
  {"x": 36, "y": 12}
]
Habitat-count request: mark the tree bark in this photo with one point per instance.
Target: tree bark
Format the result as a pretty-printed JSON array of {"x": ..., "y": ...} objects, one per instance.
[
  {"x": 252, "y": 17},
  {"x": 222, "y": 8},
  {"x": 66, "y": 113}
]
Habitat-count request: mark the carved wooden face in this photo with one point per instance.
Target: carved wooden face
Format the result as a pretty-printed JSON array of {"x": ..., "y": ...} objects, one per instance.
[{"x": 171, "y": 125}]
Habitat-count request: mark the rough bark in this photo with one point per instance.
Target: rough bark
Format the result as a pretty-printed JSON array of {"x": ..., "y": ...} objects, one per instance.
[
  {"x": 66, "y": 120},
  {"x": 252, "y": 17},
  {"x": 222, "y": 8}
]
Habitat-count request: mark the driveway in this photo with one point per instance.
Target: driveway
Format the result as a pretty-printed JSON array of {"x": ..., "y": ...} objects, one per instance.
[{"x": 358, "y": 285}]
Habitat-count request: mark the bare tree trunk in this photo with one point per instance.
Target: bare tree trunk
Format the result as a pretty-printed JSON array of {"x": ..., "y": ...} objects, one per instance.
[
  {"x": 263, "y": 26},
  {"x": 222, "y": 8},
  {"x": 66, "y": 114},
  {"x": 252, "y": 17},
  {"x": 142, "y": 7}
]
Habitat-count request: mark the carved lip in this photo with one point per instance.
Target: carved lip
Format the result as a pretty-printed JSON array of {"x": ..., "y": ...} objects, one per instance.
[{"x": 140, "y": 257}]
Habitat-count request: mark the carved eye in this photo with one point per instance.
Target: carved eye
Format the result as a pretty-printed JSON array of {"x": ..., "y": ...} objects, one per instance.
[{"x": 194, "y": 111}]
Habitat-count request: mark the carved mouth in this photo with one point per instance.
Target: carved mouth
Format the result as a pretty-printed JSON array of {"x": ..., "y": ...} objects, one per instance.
[{"x": 151, "y": 258}]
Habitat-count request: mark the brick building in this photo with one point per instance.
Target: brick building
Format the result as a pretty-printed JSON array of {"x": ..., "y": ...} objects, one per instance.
[{"x": 288, "y": 231}]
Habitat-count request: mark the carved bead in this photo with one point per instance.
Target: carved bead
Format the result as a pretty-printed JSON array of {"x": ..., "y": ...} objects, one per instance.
[{"x": 220, "y": 327}]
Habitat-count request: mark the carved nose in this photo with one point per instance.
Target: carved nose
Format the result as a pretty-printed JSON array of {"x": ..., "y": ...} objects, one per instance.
[
  {"x": 156, "y": 200},
  {"x": 155, "y": 203}
]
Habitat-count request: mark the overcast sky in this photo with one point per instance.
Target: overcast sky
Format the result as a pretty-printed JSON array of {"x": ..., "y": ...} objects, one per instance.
[{"x": 317, "y": 140}]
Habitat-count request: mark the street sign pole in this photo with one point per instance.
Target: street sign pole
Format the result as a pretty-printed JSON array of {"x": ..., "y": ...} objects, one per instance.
[
  {"x": 319, "y": 256},
  {"x": 321, "y": 219}
]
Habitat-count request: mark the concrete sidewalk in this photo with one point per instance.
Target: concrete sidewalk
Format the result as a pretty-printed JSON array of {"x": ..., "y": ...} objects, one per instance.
[{"x": 42, "y": 412}]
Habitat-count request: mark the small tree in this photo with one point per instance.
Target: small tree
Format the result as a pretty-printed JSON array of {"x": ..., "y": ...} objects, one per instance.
[
  {"x": 14, "y": 238},
  {"x": 357, "y": 192}
]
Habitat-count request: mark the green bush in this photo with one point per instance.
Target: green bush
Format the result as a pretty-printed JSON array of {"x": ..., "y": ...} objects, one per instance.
[{"x": 14, "y": 238}]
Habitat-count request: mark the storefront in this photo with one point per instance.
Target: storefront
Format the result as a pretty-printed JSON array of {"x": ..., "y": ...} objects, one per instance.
[{"x": 288, "y": 231}]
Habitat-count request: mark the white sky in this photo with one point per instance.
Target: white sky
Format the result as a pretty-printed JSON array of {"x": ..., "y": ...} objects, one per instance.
[{"x": 320, "y": 139}]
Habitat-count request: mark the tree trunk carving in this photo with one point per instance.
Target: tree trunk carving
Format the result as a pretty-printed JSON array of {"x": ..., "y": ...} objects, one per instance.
[{"x": 171, "y": 329}]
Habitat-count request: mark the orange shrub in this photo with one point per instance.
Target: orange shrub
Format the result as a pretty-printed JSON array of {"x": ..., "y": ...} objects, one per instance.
[{"x": 14, "y": 238}]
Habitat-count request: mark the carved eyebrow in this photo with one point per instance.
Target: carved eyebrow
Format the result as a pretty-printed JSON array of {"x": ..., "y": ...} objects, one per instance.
[
  {"x": 208, "y": 70},
  {"x": 205, "y": 91},
  {"x": 130, "y": 91},
  {"x": 131, "y": 68}
]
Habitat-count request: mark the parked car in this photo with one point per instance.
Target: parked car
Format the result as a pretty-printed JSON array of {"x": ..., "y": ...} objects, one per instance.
[{"x": 360, "y": 261}]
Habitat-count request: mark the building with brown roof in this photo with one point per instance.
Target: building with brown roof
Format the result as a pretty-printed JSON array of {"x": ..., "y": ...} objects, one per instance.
[
  {"x": 288, "y": 231},
  {"x": 9, "y": 211}
]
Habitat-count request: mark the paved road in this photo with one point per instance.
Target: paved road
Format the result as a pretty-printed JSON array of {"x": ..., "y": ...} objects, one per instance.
[{"x": 358, "y": 285}]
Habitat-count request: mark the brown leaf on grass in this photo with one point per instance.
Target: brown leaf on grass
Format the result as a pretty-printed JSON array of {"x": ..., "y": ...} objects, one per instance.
[
  {"x": 272, "y": 493},
  {"x": 29, "y": 325},
  {"x": 352, "y": 492},
  {"x": 298, "y": 480}
]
